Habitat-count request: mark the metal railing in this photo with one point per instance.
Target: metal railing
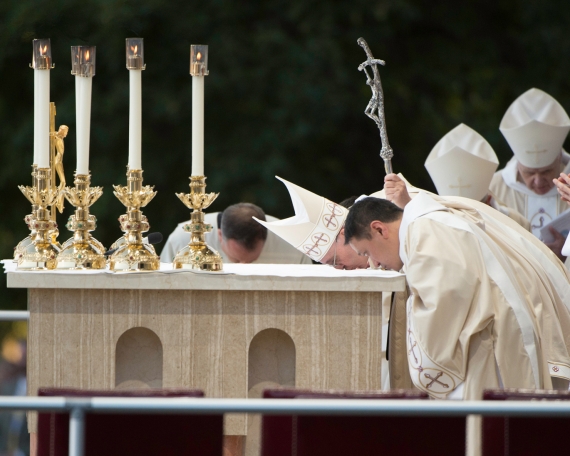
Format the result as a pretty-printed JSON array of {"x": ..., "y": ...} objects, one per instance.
[
  {"x": 78, "y": 407},
  {"x": 14, "y": 315}
]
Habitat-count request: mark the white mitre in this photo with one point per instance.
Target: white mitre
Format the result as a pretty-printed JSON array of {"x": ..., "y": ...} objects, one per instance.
[
  {"x": 535, "y": 126},
  {"x": 316, "y": 223},
  {"x": 462, "y": 163}
]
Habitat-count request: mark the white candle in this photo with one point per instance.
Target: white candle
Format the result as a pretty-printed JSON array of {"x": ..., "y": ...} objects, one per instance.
[
  {"x": 83, "y": 119},
  {"x": 135, "y": 119},
  {"x": 83, "y": 67},
  {"x": 41, "y": 65},
  {"x": 42, "y": 127},
  {"x": 36, "y": 108},
  {"x": 197, "y": 125}
]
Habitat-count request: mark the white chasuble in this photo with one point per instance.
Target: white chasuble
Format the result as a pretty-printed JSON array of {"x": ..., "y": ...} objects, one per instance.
[
  {"x": 482, "y": 314},
  {"x": 538, "y": 209}
]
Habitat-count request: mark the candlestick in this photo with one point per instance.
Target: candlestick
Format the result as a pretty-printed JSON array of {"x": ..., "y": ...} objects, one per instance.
[
  {"x": 21, "y": 247},
  {"x": 198, "y": 69},
  {"x": 197, "y": 254},
  {"x": 135, "y": 65},
  {"x": 132, "y": 253},
  {"x": 40, "y": 254},
  {"x": 83, "y": 67},
  {"x": 41, "y": 63},
  {"x": 82, "y": 250}
]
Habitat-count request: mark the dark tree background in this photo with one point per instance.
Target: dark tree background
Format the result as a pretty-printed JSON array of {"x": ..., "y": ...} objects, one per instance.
[{"x": 284, "y": 96}]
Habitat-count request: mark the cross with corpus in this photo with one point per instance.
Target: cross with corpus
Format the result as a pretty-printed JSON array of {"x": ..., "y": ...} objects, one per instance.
[{"x": 375, "y": 108}]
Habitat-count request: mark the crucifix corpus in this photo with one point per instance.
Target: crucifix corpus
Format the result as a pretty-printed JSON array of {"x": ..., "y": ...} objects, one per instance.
[{"x": 375, "y": 108}]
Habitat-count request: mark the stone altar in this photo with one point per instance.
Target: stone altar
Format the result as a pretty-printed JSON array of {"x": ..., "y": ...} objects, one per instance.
[{"x": 230, "y": 334}]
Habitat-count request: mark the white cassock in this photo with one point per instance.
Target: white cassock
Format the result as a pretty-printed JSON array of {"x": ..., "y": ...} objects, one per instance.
[
  {"x": 538, "y": 209},
  {"x": 275, "y": 250},
  {"x": 490, "y": 312}
]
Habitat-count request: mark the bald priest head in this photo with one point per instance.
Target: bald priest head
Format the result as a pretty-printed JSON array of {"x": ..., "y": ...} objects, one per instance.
[{"x": 241, "y": 238}]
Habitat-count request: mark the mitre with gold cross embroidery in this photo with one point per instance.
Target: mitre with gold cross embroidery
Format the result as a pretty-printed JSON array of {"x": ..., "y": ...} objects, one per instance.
[
  {"x": 462, "y": 163},
  {"x": 316, "y": 223},
  {"x": 535, "y": 126}
]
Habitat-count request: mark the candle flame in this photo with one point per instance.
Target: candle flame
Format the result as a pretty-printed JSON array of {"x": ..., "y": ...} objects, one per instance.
[
  {"x": 199, "y": 56},
  {"x": 43, "y": 50},
  {"x": 134, "y": 49},
  {"x": 87, "y": 55}
]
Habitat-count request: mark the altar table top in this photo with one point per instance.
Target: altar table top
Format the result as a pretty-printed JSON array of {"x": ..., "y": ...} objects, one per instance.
[{"x": 242, "y": 277}]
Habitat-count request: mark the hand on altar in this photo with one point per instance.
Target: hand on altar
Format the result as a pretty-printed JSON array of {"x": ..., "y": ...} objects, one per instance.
[
  {"x": 563, "y": 186},
  {"x": 557, "y": 244},
  {"x": 396, "y": 191}
]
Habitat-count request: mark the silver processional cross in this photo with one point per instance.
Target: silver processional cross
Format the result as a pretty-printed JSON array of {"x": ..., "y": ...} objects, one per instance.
[{"x": 375, "y": 108}]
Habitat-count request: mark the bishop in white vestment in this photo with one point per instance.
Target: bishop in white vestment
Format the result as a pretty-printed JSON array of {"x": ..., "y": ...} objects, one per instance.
[
  {"x": 535, "y": 126},
  {"x": 488, "y": 302},
  {"x": 462, "y": 163}
]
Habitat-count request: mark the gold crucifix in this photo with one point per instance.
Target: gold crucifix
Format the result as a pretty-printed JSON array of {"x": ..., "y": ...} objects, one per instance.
[{"x": 57, "y": 149}]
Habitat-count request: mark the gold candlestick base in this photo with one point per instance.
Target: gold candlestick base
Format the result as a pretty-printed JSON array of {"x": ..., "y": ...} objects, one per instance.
[
  {"x": 197, "y": 254},
  {"x": 38, "y": 251},
  {"x": 133, "y": 254},
  {"x": 24, "y": 243},
  {"x": 82, "y": 251}
]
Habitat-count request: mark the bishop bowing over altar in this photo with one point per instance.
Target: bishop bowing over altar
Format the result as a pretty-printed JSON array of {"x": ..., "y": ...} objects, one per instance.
[{"x": 488, "y": 304}]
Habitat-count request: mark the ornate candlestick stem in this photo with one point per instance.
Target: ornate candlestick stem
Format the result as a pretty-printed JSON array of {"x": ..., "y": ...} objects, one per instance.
[
  {"x": 132, "y": 253},
  {"x": 29, "y": 219},
  {"x": 40, "y": 253},
  {"x": 197, "y": 254},
  {"x": 82, "y": 251}
]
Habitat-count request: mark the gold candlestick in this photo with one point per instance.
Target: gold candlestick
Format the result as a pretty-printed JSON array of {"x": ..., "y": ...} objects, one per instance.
[
  {"x": 40, "y": 253},
  {"x": 133, "y": 254},
  {"x": 56, "y": 165},
  {"x": 29, "y": 219},
  {"x": 82, "y": 251},
  {"x": 197, "y": 254}
]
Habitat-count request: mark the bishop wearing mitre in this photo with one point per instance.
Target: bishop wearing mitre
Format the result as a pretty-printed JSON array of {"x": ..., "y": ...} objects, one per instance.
[
  {"x": 462, "y": 163},
  {"x": 488, "y": 301},
  {"x": 487, "y": 291},
  {"x": 487, "y": 305},
  {"x": 535, "y": 126}
]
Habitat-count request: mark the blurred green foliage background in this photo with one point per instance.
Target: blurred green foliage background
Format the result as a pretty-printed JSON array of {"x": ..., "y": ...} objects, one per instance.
[{"x": 284, "y": 96}]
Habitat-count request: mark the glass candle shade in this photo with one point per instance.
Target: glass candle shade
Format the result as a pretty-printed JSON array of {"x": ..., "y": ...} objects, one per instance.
[
  {"x": 135, "y": 53},
  {"x": 199, "y": 60},
  {"x": 83, "y": 61},
  {"x": 41, "y": 58}
]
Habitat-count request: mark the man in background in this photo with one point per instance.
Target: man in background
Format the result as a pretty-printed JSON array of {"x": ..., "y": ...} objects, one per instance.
[
  {"x": 238, "y": 238},
  {"x": 535, "y": 126}
]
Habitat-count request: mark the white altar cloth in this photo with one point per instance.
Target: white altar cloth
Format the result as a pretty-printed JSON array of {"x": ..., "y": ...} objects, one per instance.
[{"x": 233, "y": 277}]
